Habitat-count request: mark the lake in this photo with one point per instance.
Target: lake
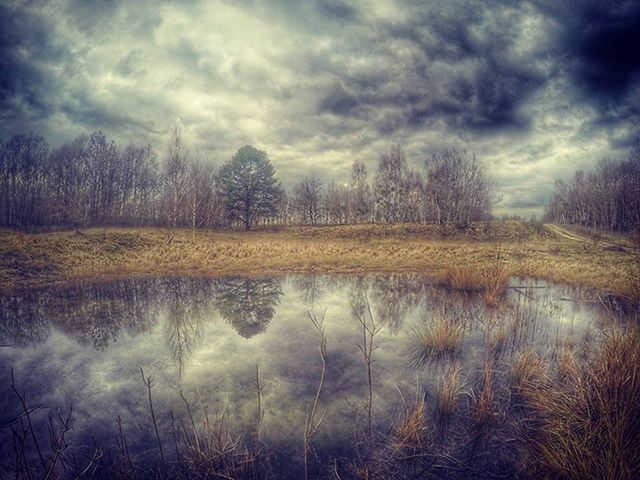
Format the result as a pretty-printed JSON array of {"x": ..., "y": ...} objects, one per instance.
[{"x": 219, "y": 351}]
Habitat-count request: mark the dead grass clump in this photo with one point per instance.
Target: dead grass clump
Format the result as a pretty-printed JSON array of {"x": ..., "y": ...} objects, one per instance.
[
  {"x": 483, "y": 399},
  {"x": 410, "y": 431},
  {"x": 496, "y": 278},
  {"x": 490, "y": 281},
  {"x": 529, "y": 373},
  {"x": 590, "y": 427},
  {"x": 439, "y": 336},
  {"x": 460, "y": 278},
  {"x": 567, "y": 364},
  {"x": 451, "y": 387},
  {"x": 495, "y": 338}
]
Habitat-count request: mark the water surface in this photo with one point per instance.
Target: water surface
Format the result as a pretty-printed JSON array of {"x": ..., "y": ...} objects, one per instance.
[{"x": 203, "y": 339}]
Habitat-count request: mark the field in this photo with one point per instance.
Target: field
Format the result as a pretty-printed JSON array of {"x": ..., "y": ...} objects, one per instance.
[{"x": 514, "y": 248}]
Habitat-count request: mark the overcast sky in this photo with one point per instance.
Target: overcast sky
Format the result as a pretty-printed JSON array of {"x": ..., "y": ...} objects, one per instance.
[{"x": 536, "y": 89}]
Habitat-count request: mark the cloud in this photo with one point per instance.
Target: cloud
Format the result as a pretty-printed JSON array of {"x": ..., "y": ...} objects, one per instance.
[
  {"x": 318, "y": 84},
  {"x": 596, "y": 43}
]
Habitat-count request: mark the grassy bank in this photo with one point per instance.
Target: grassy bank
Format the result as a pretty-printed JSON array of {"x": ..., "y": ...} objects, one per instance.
[{"x": 28, "y": 260}]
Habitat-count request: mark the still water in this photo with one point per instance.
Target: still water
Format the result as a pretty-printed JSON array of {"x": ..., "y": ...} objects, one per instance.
[{"x": 205, "y": 339}]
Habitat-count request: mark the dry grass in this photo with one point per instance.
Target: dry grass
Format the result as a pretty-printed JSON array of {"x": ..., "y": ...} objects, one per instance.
[
  {"x": 490, "y": 279},
  {"x": 589, "y": 428},
  {"x": 451, "y": 386},
  {"x": 437, "y": 337},
  {"x": 410, "y": 431},
  {"x": 483, "y": 399},
  {"x": 529, "y": 373},
  {"x": 461, "y": 278},
  {"x": 28, "y": 260},
  {"x": 495, "y": 336}
]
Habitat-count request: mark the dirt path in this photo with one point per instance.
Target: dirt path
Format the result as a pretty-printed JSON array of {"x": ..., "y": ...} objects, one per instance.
[{"x": 563, "y": 232}]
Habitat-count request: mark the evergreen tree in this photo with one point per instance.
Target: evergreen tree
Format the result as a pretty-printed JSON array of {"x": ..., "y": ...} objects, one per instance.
[{"x": 249, "y": 186}]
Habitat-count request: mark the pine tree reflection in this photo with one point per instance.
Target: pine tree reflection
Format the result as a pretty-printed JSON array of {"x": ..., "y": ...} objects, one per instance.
[{"x": 248, "y": 304}]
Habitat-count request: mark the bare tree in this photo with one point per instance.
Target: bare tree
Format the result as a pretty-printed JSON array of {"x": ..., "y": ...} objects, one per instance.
[
  {"x": 389, "y": 188},
  {"x": 608, "y": 197},
  {"x": 22, "y": 179},
  {"x": 360, "y": 198},
  {"x": 176, "y": 176},
  {"x": 458, "y": 191},
  {"x": 200, "y": 191},
  {"x": 139, "y": 186},
  {"x": 336, "y": 203},
  {"x": 412, "y": 203},
  {"x": 308, "y": 199}
]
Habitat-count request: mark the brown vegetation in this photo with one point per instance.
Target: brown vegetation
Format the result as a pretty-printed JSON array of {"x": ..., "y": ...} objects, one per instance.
[
  {"x": 439, "y": 336},
  {"x": 589, "y": 427},
  {"x": 61, "y": 257}
]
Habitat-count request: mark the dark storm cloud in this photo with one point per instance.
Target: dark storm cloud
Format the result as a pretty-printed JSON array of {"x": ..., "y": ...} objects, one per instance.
[
  {"x": 600, "y": 39},
  {"x": 597, "y": 43},
  {"x": 451, "y": 72},
  {"x": 338, "y": 101},
  {"x": 27, "y": 54}
]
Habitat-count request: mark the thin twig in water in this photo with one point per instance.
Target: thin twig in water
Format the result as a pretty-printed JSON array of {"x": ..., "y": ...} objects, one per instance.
[
  {"x": 369, "y": 330},
  {"x": 149, "y": 382},
  {"x": 312, "y": 425},
  {"x": 25, "y": 409}
]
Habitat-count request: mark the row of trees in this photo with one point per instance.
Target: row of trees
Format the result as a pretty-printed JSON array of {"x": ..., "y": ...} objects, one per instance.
[
  {"x": 607, "y": 197},
  {"x": 452, "y": 189},
  {"x": 91, "y": 182}
]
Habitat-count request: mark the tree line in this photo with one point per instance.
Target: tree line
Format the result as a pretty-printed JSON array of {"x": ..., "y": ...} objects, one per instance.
[
  {"x": 607, "y": 197},
  {"x": 89, "y": 181}
]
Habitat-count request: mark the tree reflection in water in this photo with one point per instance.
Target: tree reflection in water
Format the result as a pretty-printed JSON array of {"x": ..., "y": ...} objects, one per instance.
[
  {"x": 248, "y": 304},
  {"x": 23, "y": 321},
  {"x": 189, "y": 305},
  {"x": 393, "y": 297},
  {"x": 91, "y": 314},
  {"x": 312, "y": 287}
]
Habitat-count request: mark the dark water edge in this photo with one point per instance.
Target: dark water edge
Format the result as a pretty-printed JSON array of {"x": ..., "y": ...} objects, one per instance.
[{"x": 201, "y": 341}]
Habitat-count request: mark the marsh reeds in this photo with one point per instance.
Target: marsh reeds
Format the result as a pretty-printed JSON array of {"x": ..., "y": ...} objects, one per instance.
[
  {"x": 148, "y": 383},
  {"x": 437, "y": 337},
  {"x": 589, "y": 427},
  {"x": 529, "y": 374},
  {"x": 495, "y": 335},
  {"x": 488, "y": 279},
  {"x": 482, "y": 399},
  {"x": 410, "y": 430},
  {"x": 55, "y": 458},
  {"x": 449, "y": 392}
]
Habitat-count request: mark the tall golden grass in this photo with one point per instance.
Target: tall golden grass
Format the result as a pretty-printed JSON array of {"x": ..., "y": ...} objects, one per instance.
[
  {"x": 28, "y": 260},
  {"x": 589, "y": 427},
  {"x": 449, "y": 391},
  {"x": 489, "y": 279},
  {"x": 438, "y": 336}
]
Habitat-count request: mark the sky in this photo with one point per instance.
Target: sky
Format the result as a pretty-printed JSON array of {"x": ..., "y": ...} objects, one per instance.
[{"x": 536, "y": 89}]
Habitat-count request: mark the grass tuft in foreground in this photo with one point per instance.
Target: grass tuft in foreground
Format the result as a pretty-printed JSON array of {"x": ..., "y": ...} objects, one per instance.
[
  {"x": 439, "y": 336},
  {"x": 589, "y": 426}
]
